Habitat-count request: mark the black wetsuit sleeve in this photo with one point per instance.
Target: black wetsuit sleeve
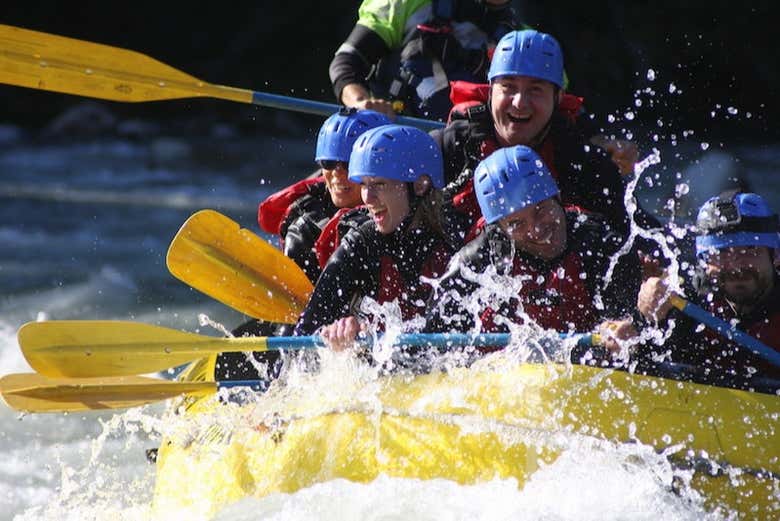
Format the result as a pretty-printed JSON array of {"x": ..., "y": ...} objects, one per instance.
[
  {"x": 299, "y": 245},
  {"x": 620, "y": 293},
  {"x": 445, "y": 310},
  {"x": 593, "y": 181},
  {"x": 353, "y": 61},
  {"x": 450, "y": 143},
  {"x": 302, "y": 227},
  {"x": 444, "y": 313},
  {"x": 683, "y": 346},
  {"x": 349, "y": 272}
]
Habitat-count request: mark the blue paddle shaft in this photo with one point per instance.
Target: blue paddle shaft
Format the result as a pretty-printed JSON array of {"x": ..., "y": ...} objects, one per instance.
[
  {"x": 420, "y": 340},
  {"x": 731, "y": 332},
  {"x": 320, "y": 108}
]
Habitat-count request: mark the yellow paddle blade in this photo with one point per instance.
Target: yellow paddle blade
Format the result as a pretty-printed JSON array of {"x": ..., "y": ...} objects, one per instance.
[
  {"x": 88, "y": 348},
  {"x": 35, "y": 393},
  {"x": 45, "y": 61},
  {"x": 213, "y": 254}
]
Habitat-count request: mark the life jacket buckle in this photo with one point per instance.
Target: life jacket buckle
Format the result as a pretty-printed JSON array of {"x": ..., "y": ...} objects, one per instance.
[{"x": 435, "y": 29}]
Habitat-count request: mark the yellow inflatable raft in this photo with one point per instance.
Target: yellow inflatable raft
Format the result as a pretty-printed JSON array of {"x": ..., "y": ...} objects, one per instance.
[{"x": 473, "y": 425}]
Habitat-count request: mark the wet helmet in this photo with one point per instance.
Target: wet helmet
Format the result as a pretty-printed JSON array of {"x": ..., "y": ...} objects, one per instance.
[
  {"x": 510, "y": 179},
  {"x": 528, "y": 53},
  {"x": 736, "y": 219},
  {"x": 341, "y": 130},
  {"x": 396, "y": 152}
]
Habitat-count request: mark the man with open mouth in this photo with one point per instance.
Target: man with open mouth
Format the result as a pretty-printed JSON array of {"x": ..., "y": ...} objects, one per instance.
[{"x": 525, "y": 104}]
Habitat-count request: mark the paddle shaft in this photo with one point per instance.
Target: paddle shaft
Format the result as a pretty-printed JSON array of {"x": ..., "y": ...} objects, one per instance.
[
  {"x": 326, "y": 109},
  {"x": 437, "y": 340},
  {"x": 45, "y": 61},
  {"x": 727, "y": 330},
  {"x": 92, "y": 348},
  {"x": 36, "y": 393}
]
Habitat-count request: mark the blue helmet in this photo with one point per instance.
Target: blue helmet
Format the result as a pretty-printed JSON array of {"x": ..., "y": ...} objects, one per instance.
[
  {"x": 736, "y": 219},
  {"x": 510, "y": 179},
  {"x": 396, "y": 152},
  {"x": 341, "y": 130},
  {"x": 528, "y": 53}
]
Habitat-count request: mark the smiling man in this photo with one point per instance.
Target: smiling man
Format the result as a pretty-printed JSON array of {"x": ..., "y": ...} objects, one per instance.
[
  {"x": 527, "y": 106},
  {"x": 736, "y": 280},
  {"x": 553, "y": 260}
]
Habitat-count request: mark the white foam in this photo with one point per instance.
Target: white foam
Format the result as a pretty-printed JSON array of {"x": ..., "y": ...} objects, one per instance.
[{"x": 579, "y": 486}]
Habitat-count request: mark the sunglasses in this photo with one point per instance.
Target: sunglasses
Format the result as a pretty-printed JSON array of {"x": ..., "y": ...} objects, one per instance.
[{"x": 329, "y": 164}]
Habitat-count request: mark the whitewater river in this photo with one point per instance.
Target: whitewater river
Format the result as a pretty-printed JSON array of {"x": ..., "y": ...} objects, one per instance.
[{"x": 84, "y": 228}]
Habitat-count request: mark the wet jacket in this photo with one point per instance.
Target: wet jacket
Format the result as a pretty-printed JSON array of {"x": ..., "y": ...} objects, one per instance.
[
  {"x": 559, "y": 294},
  {"x": 722, "y": 360},
  {"x": 409, "y": 50},
  {"x": 383, "y": 267},
  {"x": 298, "y": 213}
]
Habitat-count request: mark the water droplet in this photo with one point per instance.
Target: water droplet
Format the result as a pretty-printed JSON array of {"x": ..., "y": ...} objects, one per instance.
[
  {"x": 732, "y": 110},
  {"x": 611, "y": 118},
  {"x": 672, "y": 88},
  {"x": 651, "y": 74},
  {"x": 705, "y": 146},
  {"x": 629, "y": 115},
  {"x": 681, "y": 190},
  {"x": 161, "y": 83},
  {"x": 43, "y": 64},
  {"x": 88, "y": 71}
]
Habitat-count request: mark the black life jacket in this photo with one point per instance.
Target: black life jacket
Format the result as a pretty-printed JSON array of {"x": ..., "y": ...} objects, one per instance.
[
  {"x": 450, "y": 46},
  {"x": 298, "y": 213}
]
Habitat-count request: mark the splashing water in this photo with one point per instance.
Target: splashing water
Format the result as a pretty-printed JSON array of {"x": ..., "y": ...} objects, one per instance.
[{"x": 93, "y": 466}]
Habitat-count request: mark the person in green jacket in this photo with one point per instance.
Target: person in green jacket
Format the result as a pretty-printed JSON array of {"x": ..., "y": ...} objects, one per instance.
[{"x": 402, "y": 54}]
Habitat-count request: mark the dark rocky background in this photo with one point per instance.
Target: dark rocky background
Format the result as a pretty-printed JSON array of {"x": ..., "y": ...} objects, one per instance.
[{"x": 717, "y": 54}]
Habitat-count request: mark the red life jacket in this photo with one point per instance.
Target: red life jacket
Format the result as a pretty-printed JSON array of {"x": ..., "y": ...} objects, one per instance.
[
  {"x": 329, "y": 239},
  {"x": 412, "y": 298},
  {"x": 272, "y": 212},
  {"x": 555, "y": 298}
]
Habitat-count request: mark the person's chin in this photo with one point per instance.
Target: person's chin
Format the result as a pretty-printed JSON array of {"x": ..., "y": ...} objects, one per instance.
[
  {"x": 517, "y": 137},
  {"x": 742, "y": 293}
]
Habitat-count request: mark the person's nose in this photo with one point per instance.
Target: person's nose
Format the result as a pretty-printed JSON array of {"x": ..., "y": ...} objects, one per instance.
[
  {"x": 368, "y": 194},
  {"x": 519, "y": 100}
]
